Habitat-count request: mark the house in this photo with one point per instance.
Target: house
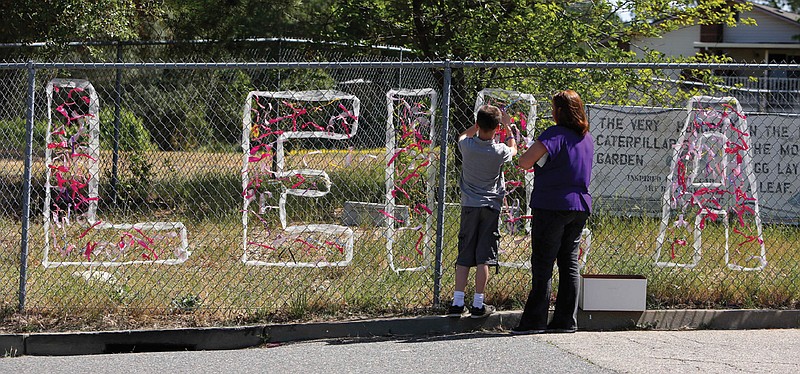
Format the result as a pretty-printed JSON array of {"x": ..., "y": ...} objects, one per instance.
[{"x": 774, "y": 39}]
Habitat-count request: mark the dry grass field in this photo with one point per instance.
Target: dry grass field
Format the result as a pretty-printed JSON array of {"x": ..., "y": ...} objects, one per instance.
[{"x": 214, "y": 287}]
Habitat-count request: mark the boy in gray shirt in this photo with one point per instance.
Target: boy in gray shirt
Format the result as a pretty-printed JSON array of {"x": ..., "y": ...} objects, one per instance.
[{"x": 482, "y": 191}]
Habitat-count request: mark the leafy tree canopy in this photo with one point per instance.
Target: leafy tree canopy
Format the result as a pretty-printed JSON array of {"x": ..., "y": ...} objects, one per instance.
[
  {"x": 56, "y": 21},
  {"x": 517, "y": 29},
  {"x": 230, "y": 19},
  {"x": 460, "y": 29}
]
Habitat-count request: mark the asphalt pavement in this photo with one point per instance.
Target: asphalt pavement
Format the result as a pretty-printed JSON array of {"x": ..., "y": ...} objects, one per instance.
[
  {"x": 653, "y": 341},
  {"x": 695, "y": 351}
]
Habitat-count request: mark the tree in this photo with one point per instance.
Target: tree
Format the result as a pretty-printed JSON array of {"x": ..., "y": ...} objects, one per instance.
[
  {"x": 510, "y": 30},
  {"x": 58, "y": 21},
  {"x": 522, "y": 30},
  {"x": 232, "y": 19}
]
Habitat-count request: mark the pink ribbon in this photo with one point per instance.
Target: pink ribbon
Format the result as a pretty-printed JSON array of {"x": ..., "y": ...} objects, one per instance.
[
  {"x": 390, "y": 216},
  {"x": 89, "y": 229}
]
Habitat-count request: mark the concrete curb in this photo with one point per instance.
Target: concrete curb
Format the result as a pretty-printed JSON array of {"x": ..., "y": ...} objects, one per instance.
[
  {"x": 81, "y": 343},
  {"x": 12, "y": 344}
]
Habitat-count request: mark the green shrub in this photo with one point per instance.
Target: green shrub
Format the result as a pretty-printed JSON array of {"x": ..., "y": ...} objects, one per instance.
[
  {"x": 133, "y": 136},
  {"x": 226, "y": 113},
  {"x": 173, "y": 108},
  {"x": 306, "y": 79},
  {"x": 135, "y": 172},
  {"x": 12, "y": 136}
]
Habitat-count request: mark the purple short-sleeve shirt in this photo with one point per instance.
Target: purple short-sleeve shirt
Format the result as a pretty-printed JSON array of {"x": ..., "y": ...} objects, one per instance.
[{"x": 563, "y": 182}]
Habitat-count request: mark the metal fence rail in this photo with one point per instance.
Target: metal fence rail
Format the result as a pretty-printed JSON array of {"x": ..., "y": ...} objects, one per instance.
[{"x": 284, "y": 190}]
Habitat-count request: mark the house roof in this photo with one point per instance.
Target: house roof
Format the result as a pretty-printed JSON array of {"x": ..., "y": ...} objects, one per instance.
[
  {"x": 746, "y": 45},
  {"x": 775, "y": 12},
  {"x": 788, "y": 16}
]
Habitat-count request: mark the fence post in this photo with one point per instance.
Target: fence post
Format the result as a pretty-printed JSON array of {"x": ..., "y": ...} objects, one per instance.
[
  {"x": 400, "y": 72},
  {"x": 443, "y": 140},
  {"x": 117, "y": 99},
  {"x": 26, "y": 186}
]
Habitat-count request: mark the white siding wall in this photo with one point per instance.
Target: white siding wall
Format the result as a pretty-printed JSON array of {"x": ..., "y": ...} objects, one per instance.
[
  {"x": 676, "y": 43},
  {"x": 770, "y": 29}
]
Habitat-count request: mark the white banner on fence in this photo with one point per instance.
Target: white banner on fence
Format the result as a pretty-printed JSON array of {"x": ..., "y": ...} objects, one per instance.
[{"x": 633, "y": 151}]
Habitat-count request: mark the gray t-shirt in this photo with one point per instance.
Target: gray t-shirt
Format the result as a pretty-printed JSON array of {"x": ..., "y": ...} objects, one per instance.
[{"x": 482, "y": 183}]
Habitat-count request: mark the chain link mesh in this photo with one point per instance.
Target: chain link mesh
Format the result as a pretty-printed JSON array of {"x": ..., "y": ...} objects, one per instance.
[
  {"x": 13, "y": 142},
  {"x": 636, "y": 118},
  {"x": 288, "y": 193}
]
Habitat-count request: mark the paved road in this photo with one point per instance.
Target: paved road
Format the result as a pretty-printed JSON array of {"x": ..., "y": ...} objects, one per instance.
[{"x": 705, "y": 351}]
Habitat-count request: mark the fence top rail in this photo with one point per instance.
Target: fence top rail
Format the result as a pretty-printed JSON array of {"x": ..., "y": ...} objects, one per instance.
[
  {"x": 227, "y": 65},
  {"x": 392, "y": 64},
  {"x": 14, "y": 65},
  {"x": 620, "y": 65}
]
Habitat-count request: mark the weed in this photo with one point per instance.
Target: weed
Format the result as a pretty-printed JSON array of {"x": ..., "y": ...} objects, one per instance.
[
  {"x": 298, "y": 307},
  {"x": 7, "y": 310},
  {"x": 120, "y": 294},
  {"x": 649, "y": 325},
  {"x": 188, "y": 303}
]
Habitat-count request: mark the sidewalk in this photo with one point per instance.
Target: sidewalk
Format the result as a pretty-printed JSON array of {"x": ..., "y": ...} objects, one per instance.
[
  {"x": 706, "y": 351},
  {"x": 81, "y": 343}
]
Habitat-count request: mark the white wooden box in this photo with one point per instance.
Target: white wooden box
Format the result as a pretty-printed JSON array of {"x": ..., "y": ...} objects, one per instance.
[{"x": 613, "y": 292}]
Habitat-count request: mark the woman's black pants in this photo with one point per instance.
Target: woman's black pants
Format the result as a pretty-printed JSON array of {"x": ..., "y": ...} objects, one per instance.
[{"x": 556, "y": 239}]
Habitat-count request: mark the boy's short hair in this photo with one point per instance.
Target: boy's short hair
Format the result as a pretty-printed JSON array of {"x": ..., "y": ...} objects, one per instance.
[{"x": 489, "y": 116}]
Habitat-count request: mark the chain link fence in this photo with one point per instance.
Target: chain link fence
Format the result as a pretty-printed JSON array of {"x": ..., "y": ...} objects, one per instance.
[
  {"x": 13, "y": 138},
  {"x": 290, "y": 190}
]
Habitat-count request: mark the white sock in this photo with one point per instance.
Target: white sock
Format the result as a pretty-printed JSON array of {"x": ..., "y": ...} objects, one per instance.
[
  {"x": 477, "y": 300},
  {"x": 458, "y": 298}
]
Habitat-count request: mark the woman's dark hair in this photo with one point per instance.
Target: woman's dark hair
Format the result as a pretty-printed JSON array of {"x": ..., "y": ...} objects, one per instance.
[{"x": 568, "y": 108}]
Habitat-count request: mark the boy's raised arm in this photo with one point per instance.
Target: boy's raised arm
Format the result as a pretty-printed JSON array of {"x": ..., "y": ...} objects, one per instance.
[
  {"x": 469, "y": 132},
  {"x": 511, "y": 142}
]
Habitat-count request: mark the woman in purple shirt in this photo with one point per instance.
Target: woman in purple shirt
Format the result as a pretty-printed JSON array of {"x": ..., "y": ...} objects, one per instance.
[{"x": 561, "y": 203}]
